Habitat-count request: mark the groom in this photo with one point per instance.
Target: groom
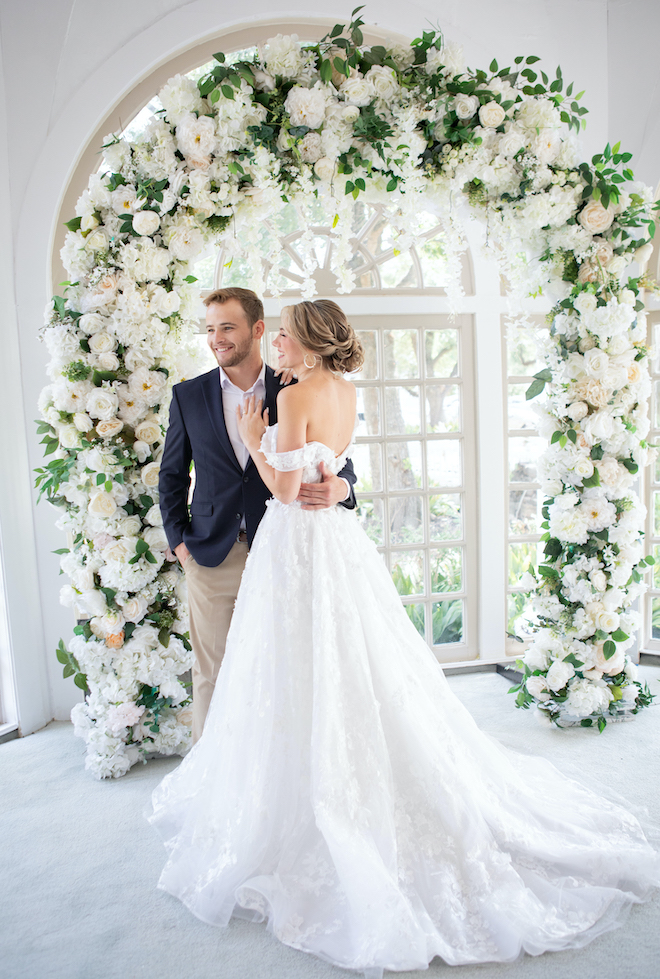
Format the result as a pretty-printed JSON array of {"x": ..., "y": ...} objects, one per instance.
[{"x": 212, "y": 540}]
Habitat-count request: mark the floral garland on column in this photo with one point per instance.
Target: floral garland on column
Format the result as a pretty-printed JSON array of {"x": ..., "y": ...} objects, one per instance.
[{"x": 407, "y": 127}]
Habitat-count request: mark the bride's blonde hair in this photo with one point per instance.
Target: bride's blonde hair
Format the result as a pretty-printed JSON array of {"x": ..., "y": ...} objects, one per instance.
[{"x": 322, "y": 328}]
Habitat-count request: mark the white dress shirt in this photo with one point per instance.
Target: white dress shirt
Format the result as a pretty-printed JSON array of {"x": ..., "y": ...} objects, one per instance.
[{"x": 232, "y": 397}]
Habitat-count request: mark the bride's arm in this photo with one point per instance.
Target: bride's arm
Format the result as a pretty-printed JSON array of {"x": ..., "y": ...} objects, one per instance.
[{"x": 291, "y": 432}]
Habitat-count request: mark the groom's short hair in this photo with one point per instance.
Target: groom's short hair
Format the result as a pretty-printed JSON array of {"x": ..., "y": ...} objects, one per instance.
[{"x": 251, "y": 304}]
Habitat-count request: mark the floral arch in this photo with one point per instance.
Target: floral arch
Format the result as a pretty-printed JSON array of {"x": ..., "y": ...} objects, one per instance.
[{"x": 341, "y": 121}]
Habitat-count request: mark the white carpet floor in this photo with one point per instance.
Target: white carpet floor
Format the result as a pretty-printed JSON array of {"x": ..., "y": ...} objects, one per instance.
[{"x": 79, "y": 864}]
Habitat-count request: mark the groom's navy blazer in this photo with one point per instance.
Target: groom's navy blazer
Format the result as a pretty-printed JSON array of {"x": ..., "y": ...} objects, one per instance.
[{"x": 223, "y": 491}]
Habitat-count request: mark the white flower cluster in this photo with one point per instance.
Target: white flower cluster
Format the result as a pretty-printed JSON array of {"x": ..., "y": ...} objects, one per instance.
[{"x": 219, "y": 160}]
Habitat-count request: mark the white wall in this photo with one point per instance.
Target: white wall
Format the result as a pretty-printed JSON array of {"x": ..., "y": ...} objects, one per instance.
[{"x": 65, "y": 65}]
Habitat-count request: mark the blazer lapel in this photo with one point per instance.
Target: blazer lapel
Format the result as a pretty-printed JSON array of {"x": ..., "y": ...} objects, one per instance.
[
  {"x": 270, "y": 402},
  {"x": 213, "y": 398}
]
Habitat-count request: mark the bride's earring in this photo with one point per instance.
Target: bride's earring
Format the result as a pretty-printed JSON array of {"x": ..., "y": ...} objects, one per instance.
[{"x": 309, "y": 366}]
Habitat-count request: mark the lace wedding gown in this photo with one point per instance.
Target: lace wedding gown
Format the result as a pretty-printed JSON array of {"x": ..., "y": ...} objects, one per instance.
[{"x": 341, "y": 791}]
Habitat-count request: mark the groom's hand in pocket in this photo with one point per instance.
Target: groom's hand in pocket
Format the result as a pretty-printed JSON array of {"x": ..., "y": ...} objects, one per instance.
[{"x": 321, "y": 496}]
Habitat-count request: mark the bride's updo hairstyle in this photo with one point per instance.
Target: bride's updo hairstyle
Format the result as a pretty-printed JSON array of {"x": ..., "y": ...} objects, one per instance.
[{"x": 322, "y": 328}]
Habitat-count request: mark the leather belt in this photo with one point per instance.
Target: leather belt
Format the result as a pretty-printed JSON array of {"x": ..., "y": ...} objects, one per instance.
[{"x": 242, "y": 537}]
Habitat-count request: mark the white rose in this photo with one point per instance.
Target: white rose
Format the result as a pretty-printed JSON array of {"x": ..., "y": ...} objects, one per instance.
[
  {"x": 559, "y": 674},
  {"x": 577, "y": 411},
  {"x": 102, "y": 504},
  {"x": 510, "y": 143},
  {"x": 585, "y": 303},
  {"x": 124, "y": 199},
  {"x": 156, "y": 539},
  {"x": 69, "y": 437},
  {"x": 537, "y": 687},
  {"x": 106, "y": 429},
  {"x": 108, "y": 361},
  {"x": 94, "y": 602},
  {"x": 92, "y": 323},
  {"x": 100, "y": 343},
  {"x": 598, "y": 427},
  {"x": 83, "y": 422},
  {"x": 153, "y": 516},
  {"x": 357, "y": 91},
  {"x": 349, "y": 114},
  {"x": 383, "y": 81},
  {"x": 465, "y": 106},
  {"x": 121, "y": 550},
  {"x": 607, "y": 621},
  {"x": 596, "y": 363},
  {"x": 325, "y": 168},
  {"x": 148, "y": 430},
  {"x": 584, "y": 467},
  {"x": 149, "y": 474},
  {"x": 306, "y": 106},
  {"x": 595, "y": 218},
  {"x": 97, "y": 241},
  {"x": 146, "y": 222},
  {"x": 598, "y": 580},
  {"x": 186, "y": 243},
  {"x": 134, "y": 609},
  {"x": 102, "y": 403},
  {"x": 618, "y": 265},
  {"x": 129, "y": 526},
  {"x": 491, "y": 115}
]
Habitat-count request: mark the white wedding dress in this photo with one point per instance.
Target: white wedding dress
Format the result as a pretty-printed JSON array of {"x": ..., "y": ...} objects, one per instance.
[{"x": 341, "y": 791}]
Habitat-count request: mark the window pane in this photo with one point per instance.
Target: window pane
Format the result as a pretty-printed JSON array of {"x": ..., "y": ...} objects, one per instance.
[
  {"x": 402, "y": 410},
  {"x": 368, "y": 411},
  {"x": 434, "y": 266},
  {"x": 521, "y": 411},
  {"x": 441, "y": 353},
  {"x": 523, "y": 457},
  {"x": 408, "y": 572},
  {"x": 443, "y": 462},
  {"x": 368, "y": 468},
  {"x": 398, "y": 272},
  {"x": 655, "y": 618},
  {"x": 416, "y": 615},
  {"x": 446, "y": 519},
  {"x": 656, "y": 402},
  {"x": 447, "y": 569},
  {"x": 520, "y": 557},
  {"x": 522, "y": 356},
  {"x": 656, "y": 514},
  {"x": 370, "y": 345},
  {"x": 524, "y": 512},
  {"x": 447, "y": 622},
  {"x": 400, "y": 349},
  {"x": 521, "y": 619},
  {"x": 406, "y": 525},
  {"x": 404, "y": 465},
  {"x": 443, "y": 408},
  {"x": 370, "y": 515},
  {"x": 656, "y": 566}
]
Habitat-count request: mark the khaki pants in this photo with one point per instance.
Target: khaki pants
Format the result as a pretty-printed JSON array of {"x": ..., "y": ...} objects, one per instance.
[{"x": 211, "y": 596}]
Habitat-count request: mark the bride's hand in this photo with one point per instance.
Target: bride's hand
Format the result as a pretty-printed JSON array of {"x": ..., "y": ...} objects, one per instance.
[
  {"x": 252, "y": 423},
  {"x": 286, "y": 375}
]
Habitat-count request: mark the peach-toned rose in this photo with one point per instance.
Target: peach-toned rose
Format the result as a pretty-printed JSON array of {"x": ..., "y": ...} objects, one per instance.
[
  {"x": 115, "y": 641},
  {"x": 109, "y": 428},
  {"x": 593, "y": 391},
  {"x": 595, "y": 218},
  {"x": 588, "y": 273}
]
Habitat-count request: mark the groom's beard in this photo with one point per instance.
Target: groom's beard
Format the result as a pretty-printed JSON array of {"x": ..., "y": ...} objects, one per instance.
[{"x": 235, "y": 354}]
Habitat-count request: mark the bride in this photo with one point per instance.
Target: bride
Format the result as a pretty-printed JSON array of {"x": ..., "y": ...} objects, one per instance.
[{"x": 340, "y": 790}]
